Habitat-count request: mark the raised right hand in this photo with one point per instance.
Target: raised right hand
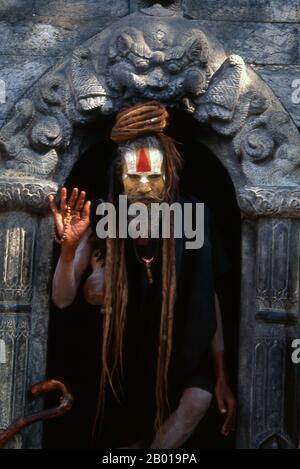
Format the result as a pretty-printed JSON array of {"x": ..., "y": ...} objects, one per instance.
[{"x": 79, "y": 213}]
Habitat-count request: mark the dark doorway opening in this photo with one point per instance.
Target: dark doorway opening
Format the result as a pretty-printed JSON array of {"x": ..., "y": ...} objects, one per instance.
[{"x": 74, "y": 345}]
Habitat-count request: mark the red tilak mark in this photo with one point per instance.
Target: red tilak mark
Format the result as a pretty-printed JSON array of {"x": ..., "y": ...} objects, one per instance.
[{"x": 143, "y": 164}]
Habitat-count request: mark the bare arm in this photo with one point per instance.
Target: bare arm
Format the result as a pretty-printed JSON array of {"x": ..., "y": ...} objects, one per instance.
[
  {"x": 69, "y": 270},
  {"x": 94, "y": 286},
  {"x": 217, "y": 344},
  {"x": 179, "y": 426},
  {"x": 72, "y": 221}
]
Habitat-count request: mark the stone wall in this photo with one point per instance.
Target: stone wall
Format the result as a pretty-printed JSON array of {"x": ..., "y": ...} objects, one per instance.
[{"x": 34, "y": 34}]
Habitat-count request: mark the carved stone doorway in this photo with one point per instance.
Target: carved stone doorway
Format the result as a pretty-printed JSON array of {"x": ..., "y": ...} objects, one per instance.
[{"x": 155, "y": 54}]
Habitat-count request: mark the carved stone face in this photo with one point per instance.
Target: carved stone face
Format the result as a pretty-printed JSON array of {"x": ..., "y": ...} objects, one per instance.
[
  {"x": 158, "y": 69},
  {"x": 142, "y": 174}
]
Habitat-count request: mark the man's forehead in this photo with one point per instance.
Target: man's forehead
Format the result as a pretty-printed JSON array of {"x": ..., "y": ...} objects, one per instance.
[{"x": 143, "y": 160}]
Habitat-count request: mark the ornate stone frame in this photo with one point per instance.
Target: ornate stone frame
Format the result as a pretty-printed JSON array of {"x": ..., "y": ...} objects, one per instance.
[{"x": 155, "y": 54}]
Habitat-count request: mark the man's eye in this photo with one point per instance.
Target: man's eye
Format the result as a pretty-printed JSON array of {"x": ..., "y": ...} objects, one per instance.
[
  {"x": 134, "y": 176},
  {"x": 154, "y": 176}
]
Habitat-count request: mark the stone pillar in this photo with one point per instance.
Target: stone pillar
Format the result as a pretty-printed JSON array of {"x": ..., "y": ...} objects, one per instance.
[
  {"x": 268, "y": 380},
  {"x": 25, "y": 266}
]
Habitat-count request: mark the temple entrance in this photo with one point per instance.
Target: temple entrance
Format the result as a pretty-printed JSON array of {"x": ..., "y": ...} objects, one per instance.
[
  {"x": 58, "y": 120},
  {"x": 74, "y": 345}
]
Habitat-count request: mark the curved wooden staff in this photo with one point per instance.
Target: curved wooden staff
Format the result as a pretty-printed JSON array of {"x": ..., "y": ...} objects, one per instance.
[{"x": 65, "y": 404}]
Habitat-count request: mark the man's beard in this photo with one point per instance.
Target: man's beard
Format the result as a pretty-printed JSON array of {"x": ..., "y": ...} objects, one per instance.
[
  {"x": 145, "y": 199},
  {"x": 153, "y": 222}
]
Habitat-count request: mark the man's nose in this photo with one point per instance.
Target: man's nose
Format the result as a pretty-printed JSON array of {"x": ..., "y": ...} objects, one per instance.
[{"x": 144, "y": 187}]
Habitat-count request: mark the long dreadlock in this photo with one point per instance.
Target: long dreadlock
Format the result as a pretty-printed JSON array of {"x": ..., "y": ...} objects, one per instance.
[{"x": 132, "y": 124}]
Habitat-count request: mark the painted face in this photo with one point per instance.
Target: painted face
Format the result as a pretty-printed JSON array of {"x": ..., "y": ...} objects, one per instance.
[{"x": 143, "y": 176}]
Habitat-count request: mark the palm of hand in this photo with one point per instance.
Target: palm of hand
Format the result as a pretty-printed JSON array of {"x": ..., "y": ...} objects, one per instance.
[
  {"x": 77, "y": 226},
  {"x": 73, "y": 218}
]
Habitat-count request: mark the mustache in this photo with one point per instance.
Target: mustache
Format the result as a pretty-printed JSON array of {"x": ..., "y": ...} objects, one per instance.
[{"x": 145, "y": 199}]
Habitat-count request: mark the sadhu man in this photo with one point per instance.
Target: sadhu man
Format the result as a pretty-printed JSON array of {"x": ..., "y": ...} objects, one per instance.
[{"x": 159, "y": 307}]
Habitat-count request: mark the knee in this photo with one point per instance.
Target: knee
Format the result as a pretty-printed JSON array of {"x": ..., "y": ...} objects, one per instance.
[{"x": 195, "y": 402}]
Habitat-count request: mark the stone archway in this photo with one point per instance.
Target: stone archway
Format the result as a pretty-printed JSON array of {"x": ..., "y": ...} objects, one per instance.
[{"x": 155, "y": 54}]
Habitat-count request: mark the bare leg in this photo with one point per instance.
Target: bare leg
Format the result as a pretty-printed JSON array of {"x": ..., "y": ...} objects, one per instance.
[{"x": 183, "y": 421}]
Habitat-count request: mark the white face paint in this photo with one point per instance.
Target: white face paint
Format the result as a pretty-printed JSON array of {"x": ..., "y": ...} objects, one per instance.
[
  {"x": 143, "y": 163},
  {"x": 143, "y": 177}
]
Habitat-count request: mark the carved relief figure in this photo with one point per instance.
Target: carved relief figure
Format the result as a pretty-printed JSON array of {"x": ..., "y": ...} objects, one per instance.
[
  {"x": 162, "y": 58},
  {"x": 163, "y": 71}
]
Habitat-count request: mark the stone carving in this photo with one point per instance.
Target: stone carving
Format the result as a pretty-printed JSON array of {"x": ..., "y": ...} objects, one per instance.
[
  {"x": 229, "y": 100},
  {"x": 90, "y": 91},
  {"x": 22, "y": 193},
  {"x": 268, "y": 385},
  {"x": 156, "y": 65},
  {"x": 271, "y": 427},
  {"x": 14, "y": 331},
  {"x": 23, "y": 136},
  {"x": 269, "y": 150},
  {"x": 277, "y": 268},
  {"x": 269, "y": 201},
  {"x": 17, "y": 251},
  {"x": 160, "y": 70},
  {"x": 269, "y": 316},
  {"x": 272, "y": 440},
  {"x": 154, "y": 54},
  {"x": 221, "y": 104},
  {"x": 14, "y": 283},
  {"x": 259, "y": 102},
  {"x": 157, "y": 10},
  {"x": 255, "y": 142}
]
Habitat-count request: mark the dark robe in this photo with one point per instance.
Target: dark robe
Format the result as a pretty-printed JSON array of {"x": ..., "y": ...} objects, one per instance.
[{"x": 132, "y": 418}]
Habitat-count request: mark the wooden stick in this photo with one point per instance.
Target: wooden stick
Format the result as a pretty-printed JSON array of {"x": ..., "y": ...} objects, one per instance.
[{"x": 65, "y": 403}]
